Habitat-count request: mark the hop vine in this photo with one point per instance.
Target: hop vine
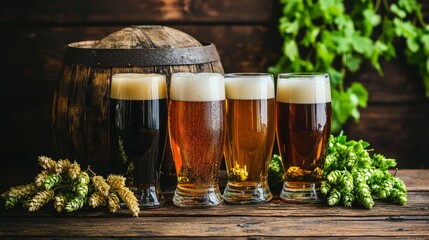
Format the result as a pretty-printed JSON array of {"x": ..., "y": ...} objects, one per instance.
[
  {"x": 352, "y": 177},
  {"x": 338, "y": 36},
  {"x": 71, "y": 189}
]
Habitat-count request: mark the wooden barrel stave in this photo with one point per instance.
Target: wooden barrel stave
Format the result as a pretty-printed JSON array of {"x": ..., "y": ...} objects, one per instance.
[{"x": 81, "y": 118}]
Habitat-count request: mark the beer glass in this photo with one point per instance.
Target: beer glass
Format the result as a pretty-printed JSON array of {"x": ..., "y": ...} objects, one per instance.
[
  {"x": 196, "y": 124},
  {"x": 138, "y": 105},
  {"x": 250, "y": 134},
  {"x": 303, "y": 112}
]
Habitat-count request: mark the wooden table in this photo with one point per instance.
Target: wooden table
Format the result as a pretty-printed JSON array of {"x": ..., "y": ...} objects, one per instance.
[{"x": 274, "y": 219}]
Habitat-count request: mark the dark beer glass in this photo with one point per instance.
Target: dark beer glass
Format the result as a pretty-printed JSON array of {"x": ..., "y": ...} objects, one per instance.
[
  {"x": 138, "y": 106},
  {"x": 197, "y": 122},
  {"x": 250, "y": 104},
  {"x": 303, "y": 112}
]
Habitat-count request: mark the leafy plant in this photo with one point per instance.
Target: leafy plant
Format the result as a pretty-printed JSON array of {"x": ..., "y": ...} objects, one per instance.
[
  {"x": 352, "y": 177},
  {"x": 334, "y": 37},
  {"x": 71, "y": 189}
]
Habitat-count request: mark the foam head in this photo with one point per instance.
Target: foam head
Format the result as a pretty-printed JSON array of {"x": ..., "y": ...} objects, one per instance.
[
  {"x": 303, "y": 88},
  {"x": 197, "y": 87},
  {"x": 138, "y": 86},
  {"x": 249, "y": 86}
]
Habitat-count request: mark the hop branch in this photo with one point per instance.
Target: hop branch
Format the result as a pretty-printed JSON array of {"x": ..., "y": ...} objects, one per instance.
[
  {"x": 71, "y": 189},
  {"x": 353, "y": 177}
]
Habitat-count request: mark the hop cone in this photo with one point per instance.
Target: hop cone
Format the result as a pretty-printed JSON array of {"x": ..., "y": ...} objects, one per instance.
[
  {"x": 40, "y": 199},
  {"x": 97, "y": 199},
  {"x": 47, "y": 163},
  {"x": 52, "y": 180},
  {"x": 62, "y": 166},
  {"x": 101, "y": 185},
  {"x": 130, "y": 200},
  {"x": 10, "y": 202},
  {"x": 83, "y": 178},
  {"x": 113, "y": 202},
  {"x": 325, "y": 187},
  {"x": 74, "y": 170},
  {"x": 40, "y": 178},
  {"x": 59, "y": 203},
  {"x": 75, "y": 204},
  {"x": 334, "y": 198},
  {"x": 335, "y": 176},
  {"x": 116, "y": 181}
]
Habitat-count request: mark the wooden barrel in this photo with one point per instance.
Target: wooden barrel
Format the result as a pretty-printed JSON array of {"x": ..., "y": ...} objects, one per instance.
[{"x": 81, "y": 100}]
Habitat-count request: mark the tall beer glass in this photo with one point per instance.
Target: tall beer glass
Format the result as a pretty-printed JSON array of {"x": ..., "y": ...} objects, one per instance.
[
  {"x": 196, "y": 125},
  {"x": 250, "y": 134},
  {"x": 139, "y": 113},
  {"x": 303, "y": 108}
]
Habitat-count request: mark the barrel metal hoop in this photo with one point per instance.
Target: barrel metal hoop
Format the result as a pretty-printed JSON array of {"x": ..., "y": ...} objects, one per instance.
[{"x": 83, "y": 53}]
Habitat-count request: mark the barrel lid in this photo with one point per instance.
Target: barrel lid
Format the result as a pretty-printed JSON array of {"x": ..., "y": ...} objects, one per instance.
[
  {"x": 147, "y": 36},
  {"x": 145, "y": 45},
  {"x": 84, "y": 53}
]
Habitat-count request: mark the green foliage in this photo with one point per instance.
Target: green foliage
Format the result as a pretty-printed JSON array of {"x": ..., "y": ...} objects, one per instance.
[
  {"x": 276, "y": 174},
  {"x": 322, "y": 36}
]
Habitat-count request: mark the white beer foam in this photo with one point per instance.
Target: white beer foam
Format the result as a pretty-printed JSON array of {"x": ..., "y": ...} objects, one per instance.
[
  {"x": 138, "y": 86},
  {"x": 249, "y": 87},
  {"x": 305, "y": 90},
  {"x": 198, "y": 87}
]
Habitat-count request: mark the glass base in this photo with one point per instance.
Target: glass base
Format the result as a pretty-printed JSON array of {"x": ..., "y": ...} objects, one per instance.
[
  {"x": 195, "y": 196},
  {"x": 247, "y": 192},
  {"x": 149, "y": 196},
  {"x": 303, "y": 192}
]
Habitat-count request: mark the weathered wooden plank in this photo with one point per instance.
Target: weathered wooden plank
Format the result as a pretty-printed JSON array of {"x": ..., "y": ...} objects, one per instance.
[
  {"x": 222, "y": 226},
  {"x": 149, "y": 11},
  {"x": 35, "y": 62},
  {"x": 96, "y": 112},
  {"x": 229, "y": 237},
  {"x": 398, "y": 131},
  {"x": 32, "y": 56},
  {"x": 26, "y": 134},
  {"x": 418, "y": 205},
  {"x": 242, "y": 49},
  {"x": 415, "y": 180},
  {"x": 135, "y": 11},
  {"x": 400, "y": 83}
]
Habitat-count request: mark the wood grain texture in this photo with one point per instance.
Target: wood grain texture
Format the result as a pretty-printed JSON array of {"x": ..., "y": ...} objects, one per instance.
[
  {"x": 135, "y": 11},
  {"x": 74, "y": 116},
  {"x": 38, "y": 65},
  {"x": 245, "y": 34},
  {"x": 398, "y": 131},
  {"x": 275, "y": 219},
  {"x": 222, "y": 226},
  {"x": 417, "y": 206},
  {"x": 26, "y": 133}
]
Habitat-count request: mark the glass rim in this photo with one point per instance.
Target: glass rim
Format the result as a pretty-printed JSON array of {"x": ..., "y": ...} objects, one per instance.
[
  {"x": 248, "y": 75},
  {"x": 303, "y": 74}
]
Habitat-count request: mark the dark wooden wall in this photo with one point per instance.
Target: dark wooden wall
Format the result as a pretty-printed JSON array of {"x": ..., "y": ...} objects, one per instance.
[{"x": 34, "y": 34}]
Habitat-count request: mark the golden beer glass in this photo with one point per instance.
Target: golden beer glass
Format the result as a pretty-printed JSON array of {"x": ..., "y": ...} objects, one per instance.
[
  {"x": 197, "y": 125},
  {"x": 303, "y": 113},
  {"x": 138, "y": 107},
  {"x": 250, "y": 104}
]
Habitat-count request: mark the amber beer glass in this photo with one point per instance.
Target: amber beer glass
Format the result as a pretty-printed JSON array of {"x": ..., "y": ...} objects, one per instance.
[
  {"x": 138, "y": 106},
  {"x": 197, "y": 122},
  {"x": 250, "y": 105},
  {"x": 303, "y": 112}
]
